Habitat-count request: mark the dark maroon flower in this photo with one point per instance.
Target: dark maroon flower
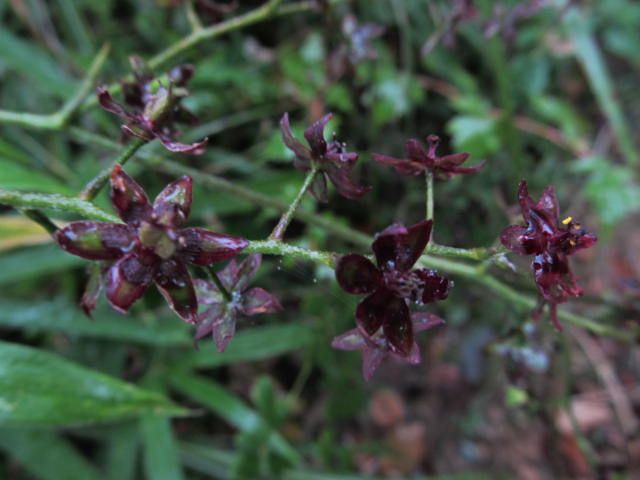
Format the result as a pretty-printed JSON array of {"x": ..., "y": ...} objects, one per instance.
[
  {"x": 154, "y": 107},
  {"x": 419, "y": 161},
  {"x": 151, "y": 246},
  {"x": 332, "y": 159},
  {"x": 220, "y": 318},
  {"x": 375, "y": 348},
  {"x": 391, "y": 284},
  {"x": 551, "y": 242}
]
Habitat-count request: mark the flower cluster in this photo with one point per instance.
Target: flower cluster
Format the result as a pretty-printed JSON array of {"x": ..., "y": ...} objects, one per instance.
[
  {"x": 332, "y": 159},
  {"x": 418, "y": 161},
  {"x": 233, "y": 298},
  {"x": 151, "y": 246},
  {"x": 154, "y": 107},
  {"x": 551, "y": 242},
  {"x": 384, "y": 323}
]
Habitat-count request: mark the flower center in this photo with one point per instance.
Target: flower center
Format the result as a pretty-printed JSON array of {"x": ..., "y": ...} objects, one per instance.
[
  {"x": 160, "y": 240},
  {"x": 407, "y": 285}
]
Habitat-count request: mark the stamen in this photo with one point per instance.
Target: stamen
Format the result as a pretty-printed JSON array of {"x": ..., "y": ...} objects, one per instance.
[{"x": 567, "y": 220}]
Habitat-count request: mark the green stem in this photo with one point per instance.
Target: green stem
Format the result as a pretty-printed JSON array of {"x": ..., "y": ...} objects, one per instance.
[
  {"x": 192, "y": 17},
  {"x": 275, "y": 247},
  {"x": 57, "y": 120},
  {"x": 56, "y": 202},
  {"x": 94, "y": 186},
  {"x": 41, "y": 219},
  {"x": 285, "y": 220},
  {"x": 221, "y": 288},
  {"x": 428, "y": 177}
]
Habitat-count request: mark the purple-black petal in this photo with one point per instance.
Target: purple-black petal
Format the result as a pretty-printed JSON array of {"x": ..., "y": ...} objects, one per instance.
[
  {"x": 357, "y": 274},
  {"x": 513, "y": 237},
  {"x": 175, "y": 285},
  {"x": 96, "y": 240},
  {"x": 424, "y": 321},
  {"x": 257, "y": 300},
  {"x": 371, "y": 311},
  {"x": 319, "y": 187},
  {"x": 204, "y": 247},
  {"x": 399, "y": 248},
  {"x": 402, "y": 165},
  {"x": 302, "y": 153},
  {"x": 436, "y": 287},
  {"x": 128, "y": 198},
  {"x": 344, "y": 185},
  {"x": 315, "y": 135},
  {"x": 397, "y": 326},
  {"x": 172, "y": 206},
  {"x": 126, "y": 282}
]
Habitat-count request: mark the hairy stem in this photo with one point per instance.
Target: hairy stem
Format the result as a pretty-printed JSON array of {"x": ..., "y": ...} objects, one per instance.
[
  {"x": 57, "y": 202},
  {"x": 91, "y": 189},
  {"x": 274, "y": 247},
  {"x": 285, "y": 220}
]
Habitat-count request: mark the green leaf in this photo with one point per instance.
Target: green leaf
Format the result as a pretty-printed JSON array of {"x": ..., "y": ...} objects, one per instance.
[
  {"x": 34, "y": 64},
  {"x": 35, "y": 262},
  {"x": 161, "y": 459},
  {"x": 62, "y": 316},
  {"x": 17, "y": 177},
  {"x": 229, "y": 407},
  {"x": 46, "y": 455},
  {"x": 476, "y": 135},
  {"x": 39, "y": 388},
  {"x": 122, "y": 451},
  {"x": 592, "y": 61},
  {"x": 252, "y": 344}
]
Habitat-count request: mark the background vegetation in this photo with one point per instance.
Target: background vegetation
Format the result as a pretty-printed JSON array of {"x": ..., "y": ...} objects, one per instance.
[{"x": 542, "y": 90}]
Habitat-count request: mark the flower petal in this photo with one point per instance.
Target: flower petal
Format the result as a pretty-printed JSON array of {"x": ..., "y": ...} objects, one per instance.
[
  {"x": 453, "y": 160},
  {"x": 224, "y": 329},
  {"x": 397, "y": 326},
  {"x": 465, "y": 170},
  {"x": 207, "y": 292},
  {"x": 126, "y": 282},
  {"x": 357, "y": 274},
  {"x": 315, "y": 135},
  {"x": 344, "y": 185},
  {"x": 128, "y": 197},
  {"x": 414, "y": 356},
  {"x": 258, "y": 300},
  {"x": 111, "y": 106},
  {"x": 512, "y": 237},
  {"x": 416, "y": 153},
  {"x": 548, "y": 203},
  {"x": 372, "y": 357},
  {"x": 207, "y": 319},
  {"x": 399, "y": 248},
  {"x": 402, "y": 166},
  {"x": 245, "y": 272},
  {"x": 424, "y": 321},
  {"x": 181, "y": 74},
  {"x": 175, "y": 285},
  {"x": 349, "y": 340},
  {"x": 319, "y": 187},
  {"x": 436, "y": 287},
  {"x": 204, "y": 247},
  {"x": 196, "y": 148},
  {"x": 370, "y": 312},
  {"x": 92, "y": 290},
  {"x": 172, "y": 206},
  {"x": 96, "y": 240},
  {"x": 525, "y": 200},
  {"x": 303, "y": 154}
]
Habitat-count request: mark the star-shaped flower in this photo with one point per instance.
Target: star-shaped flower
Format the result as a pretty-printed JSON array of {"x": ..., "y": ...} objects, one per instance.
[
  {"x": 154, "y": 107},
  {"x": 550, "y": 241},
  {"x": 384, "y": 313},
  {"x": 419, "y": 161},
  {"x": 332, "y": 159},
  {"x": 220, "y": 318},
  {"x": 376, "y": 348},
  {"x": 151, "y": 246}
]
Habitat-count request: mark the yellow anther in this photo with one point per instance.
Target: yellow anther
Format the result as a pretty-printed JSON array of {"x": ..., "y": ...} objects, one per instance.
[
  {"x": 567, "y": 220},
  {"x": 572, "y": 243}
]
